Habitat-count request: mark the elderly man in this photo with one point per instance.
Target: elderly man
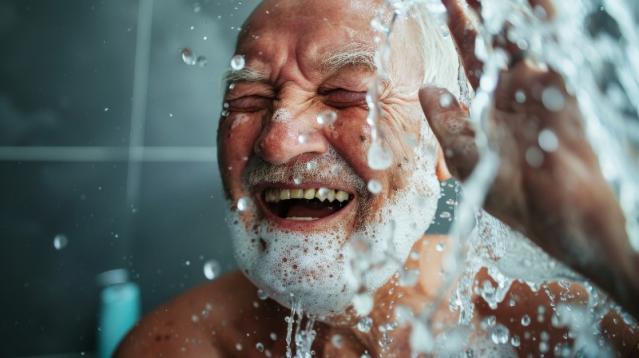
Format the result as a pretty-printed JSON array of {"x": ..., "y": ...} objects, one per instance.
[{"x": 308, "y": 196}]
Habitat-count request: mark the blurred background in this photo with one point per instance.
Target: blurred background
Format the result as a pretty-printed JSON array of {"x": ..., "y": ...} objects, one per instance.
[{"x": 108, "y": 158}]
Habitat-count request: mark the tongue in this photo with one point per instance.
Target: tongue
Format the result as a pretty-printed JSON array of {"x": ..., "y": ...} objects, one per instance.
[{"x": 312, "y": 211}]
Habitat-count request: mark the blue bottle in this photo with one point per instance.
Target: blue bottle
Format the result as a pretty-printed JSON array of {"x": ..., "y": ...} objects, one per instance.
[{"x": 119, "y": 310}]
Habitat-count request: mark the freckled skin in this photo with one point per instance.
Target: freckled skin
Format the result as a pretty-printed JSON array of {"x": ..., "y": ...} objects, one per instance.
[{"x": 225, "y": 318}]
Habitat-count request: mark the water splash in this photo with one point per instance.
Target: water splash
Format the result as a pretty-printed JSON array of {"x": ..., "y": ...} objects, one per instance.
[{"x": 584, "y": 58}]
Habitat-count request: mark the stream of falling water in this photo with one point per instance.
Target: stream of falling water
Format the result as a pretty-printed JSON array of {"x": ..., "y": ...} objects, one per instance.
[{"x": 299, "y": 336}]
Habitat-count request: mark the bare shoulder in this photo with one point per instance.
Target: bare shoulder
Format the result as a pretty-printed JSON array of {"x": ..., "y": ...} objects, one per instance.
[
  {"x": 529, "y": 318},
  {"x": 197, "y": 323}
]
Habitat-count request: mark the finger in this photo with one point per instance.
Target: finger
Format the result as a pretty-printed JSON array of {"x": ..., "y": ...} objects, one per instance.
[
  {"x": 464, "y": 34},
  {"x": 448, "y": 120}
]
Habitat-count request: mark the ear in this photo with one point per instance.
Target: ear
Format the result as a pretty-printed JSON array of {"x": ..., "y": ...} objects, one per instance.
[{"x": 441, "y": 170}]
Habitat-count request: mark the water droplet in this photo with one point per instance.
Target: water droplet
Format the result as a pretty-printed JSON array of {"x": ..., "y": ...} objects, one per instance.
[
  {"x": 553, "y": 99},
  {"x": 197, "y": 7},
  {"x": 106, "y": 109},
  {"x": 445, "y": 100},
  {"x": 262, "y": 295},
  {"x": 60, "y": 241},
  {"x": 326, "y": 118},
  {"x": 378, "y": 157},
  {"x": 195, "y": 318},
  {"x": 170, "y": 115},
  {"x": 562, "y": 350},
  {"x": 364, "y": 325},
  {"x": 301, "y": 138},
  {"x": 525, "y": 320},
  {"x": 337, "y": 341},
  {"x": 548, "y": 140},
  {"x": 363, "y": 303},
  {"x": 439, "y": 247},
  {"x": 212, "y": 269},
  {"x": 243, "y": 203},
  {"x": 514, "y": 341},
  {"x": 543, "y": 346},
  {"x": 205, "y": 38},
  {"x": 445, "y": 215},
  {"x": 541, "y": 309},
  {"x": 238, "y": 347},
  {"x": 187, "y": 263},
  {"x": 488, "y": 322},
  {"x": 259, "y": 346},
  {"x": 323, "y": 193},
  {"x": 520, "y": 96},
  {"x": 499, "y": 334},
  {"x": 237, "y": 62},
  {"x": 544, "y": 336},
  {"x": 374, "y": 186},
  {"x": 201, "y": 61},
  {"x": 408, "y": 278},
  {"x": 534, "y": 157},
  {"x": 188, "y": 57}
]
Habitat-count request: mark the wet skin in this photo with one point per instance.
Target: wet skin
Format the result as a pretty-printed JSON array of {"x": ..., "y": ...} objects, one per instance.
[{"x": 230, "y": 320}]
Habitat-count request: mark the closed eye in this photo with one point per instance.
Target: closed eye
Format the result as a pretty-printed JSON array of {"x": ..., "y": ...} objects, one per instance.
[
  {"x": 249, "y": 104},
  {"x": 341, "y": 98}
]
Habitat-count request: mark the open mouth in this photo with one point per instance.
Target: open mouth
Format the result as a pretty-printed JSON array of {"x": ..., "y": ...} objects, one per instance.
[{"x": 305, "y": 204}]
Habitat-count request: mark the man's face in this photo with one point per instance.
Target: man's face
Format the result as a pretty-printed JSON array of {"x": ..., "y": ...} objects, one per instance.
[{"x": 299, "y": 188}]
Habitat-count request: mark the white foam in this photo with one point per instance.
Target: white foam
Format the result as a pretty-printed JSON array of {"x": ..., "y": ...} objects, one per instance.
[
  {"x": 282, "y": 115},
  {"x": 316, "y": 268}
]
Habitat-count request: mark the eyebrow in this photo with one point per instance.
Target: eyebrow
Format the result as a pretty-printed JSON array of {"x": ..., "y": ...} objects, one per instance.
[
  {"x": 354, "y": 54},
  {"x": 245, "y": 75}
]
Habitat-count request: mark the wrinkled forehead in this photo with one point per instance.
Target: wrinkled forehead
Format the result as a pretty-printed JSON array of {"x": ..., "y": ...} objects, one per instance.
[{"x": 306, "y": 29}]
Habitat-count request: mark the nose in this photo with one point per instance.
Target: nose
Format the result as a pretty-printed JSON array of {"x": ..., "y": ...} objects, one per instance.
[{"x": 287, "y": 136}]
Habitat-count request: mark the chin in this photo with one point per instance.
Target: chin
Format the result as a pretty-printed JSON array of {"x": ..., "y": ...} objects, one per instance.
[{"x": 314, "y": 269}]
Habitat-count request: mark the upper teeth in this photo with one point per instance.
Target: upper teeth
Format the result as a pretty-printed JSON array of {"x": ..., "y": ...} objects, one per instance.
[{"x": 275, "y": 195}]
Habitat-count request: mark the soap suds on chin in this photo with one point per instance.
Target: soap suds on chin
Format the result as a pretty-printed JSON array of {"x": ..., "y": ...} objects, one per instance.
[{"x": 282, "y": 115}]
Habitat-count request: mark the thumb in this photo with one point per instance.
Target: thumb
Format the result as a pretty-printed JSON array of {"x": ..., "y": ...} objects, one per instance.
[{"x": 449, "y": 121}]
